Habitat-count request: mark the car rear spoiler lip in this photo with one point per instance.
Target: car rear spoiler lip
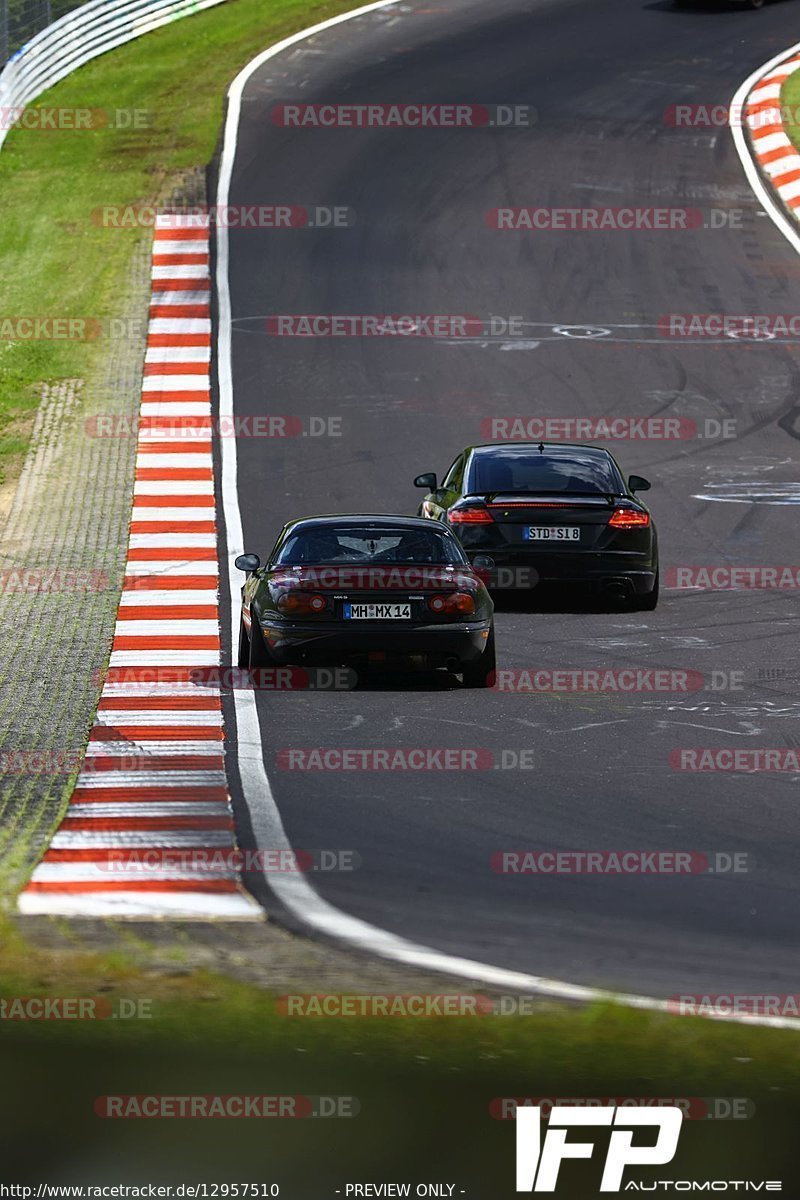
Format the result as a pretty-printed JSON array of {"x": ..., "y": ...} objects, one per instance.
[{"x": 568, "y": 498}]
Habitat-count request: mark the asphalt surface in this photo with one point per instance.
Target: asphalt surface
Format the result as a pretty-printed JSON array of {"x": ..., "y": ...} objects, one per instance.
[{"x": 600, "y": 74}]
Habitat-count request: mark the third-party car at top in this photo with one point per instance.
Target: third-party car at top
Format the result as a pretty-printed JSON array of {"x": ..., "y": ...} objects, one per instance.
[{"x": 564, "y": 511}]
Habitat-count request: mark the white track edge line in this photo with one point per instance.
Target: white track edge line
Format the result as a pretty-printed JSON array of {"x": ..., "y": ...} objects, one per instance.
[{"x": 296, "y": 894}]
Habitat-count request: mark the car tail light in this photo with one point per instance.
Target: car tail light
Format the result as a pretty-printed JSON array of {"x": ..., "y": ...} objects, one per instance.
[
  {"x": 629, "y": 518},
  {"x": 462, "y": 602},
  {"x": 301, "y": 604},
  {"x": 455, "y": 602},
  {"x": 470, "y": 516}
]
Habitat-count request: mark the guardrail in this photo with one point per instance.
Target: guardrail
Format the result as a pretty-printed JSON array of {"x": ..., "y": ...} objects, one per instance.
[{"x": 78, "y": 37}]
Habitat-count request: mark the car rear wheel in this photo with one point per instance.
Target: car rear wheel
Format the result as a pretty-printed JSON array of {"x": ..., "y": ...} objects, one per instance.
[
  {"x": 649, "y": 601},
  {"x": 259, "y": 650},
  {"x": 244, "y": 646},
  {"x": 481, "y": 672}
]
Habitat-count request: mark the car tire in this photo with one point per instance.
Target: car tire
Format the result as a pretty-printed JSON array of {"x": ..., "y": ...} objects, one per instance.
[
  {"x": 481, "y": 673},
  {"x": 649, "y": 601},
  {"x": 259, "y": 650},
  {"x": 243, "y": 660}
]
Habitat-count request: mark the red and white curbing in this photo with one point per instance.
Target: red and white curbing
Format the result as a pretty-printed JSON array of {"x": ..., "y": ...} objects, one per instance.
[
  {"x": 772, "y": 148},
  {"x": 153, "y": 780}
]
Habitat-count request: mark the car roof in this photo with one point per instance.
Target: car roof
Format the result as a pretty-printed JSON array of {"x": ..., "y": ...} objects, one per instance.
[
  {"x": 392, "y": 520},
  {"x": 554, "y": 449}
]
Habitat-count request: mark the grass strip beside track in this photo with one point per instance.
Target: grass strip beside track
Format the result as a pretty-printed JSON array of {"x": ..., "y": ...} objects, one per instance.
[
  {"x": 57, "y": 261},
  {"x": 210, "y": 1035}
]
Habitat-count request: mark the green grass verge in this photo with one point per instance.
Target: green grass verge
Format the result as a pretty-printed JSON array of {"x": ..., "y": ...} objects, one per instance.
[
  {"x": 424, "y": 1086},
  {"x": 56, "y": 260},
  {"x": 790, "y": 102}
]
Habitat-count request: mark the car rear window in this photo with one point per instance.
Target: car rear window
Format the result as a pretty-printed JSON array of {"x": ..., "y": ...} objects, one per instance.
[
  {"x": 530, "y": 471},
  {"x": 354, "y": 544}
]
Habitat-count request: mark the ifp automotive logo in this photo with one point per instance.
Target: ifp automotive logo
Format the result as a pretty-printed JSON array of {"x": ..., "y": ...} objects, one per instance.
[{"x": 539, "y": 1160}]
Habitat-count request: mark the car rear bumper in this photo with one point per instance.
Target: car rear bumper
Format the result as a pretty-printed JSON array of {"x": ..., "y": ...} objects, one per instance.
[
  {"x": 598, "y": 568},
  {"x": 324, "y": 644}
]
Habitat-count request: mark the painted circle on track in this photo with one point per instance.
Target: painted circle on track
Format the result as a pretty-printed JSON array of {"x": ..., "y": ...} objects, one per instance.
[
  {"x": 750, "y": 335},
  {"x": 752, "y": 493},
  {"x": 581, "y": 331}
]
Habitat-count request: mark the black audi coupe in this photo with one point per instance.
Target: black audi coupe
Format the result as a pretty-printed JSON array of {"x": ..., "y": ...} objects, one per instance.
[{"x": 563, "y": 511}]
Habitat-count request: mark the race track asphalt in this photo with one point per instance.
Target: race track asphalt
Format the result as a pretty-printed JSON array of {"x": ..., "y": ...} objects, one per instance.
[{"x": 600, "y": 75}]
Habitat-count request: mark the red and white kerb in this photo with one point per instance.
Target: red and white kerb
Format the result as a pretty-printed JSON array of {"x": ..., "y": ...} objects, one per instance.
[{"x": 153, "y": 778}]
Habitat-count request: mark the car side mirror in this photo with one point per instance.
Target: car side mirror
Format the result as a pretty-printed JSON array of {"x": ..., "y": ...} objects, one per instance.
[
  {"x": 483, "y": 565},
  {"x": 637, "y": 483},
  {"x": 247, "y": 563},
  {"x": 427, "y": 481}
]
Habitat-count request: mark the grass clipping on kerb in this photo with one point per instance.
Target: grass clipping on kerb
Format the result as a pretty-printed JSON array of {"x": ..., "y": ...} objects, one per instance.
[
  {"x": 57, "y": 262},
  {"x": 790, "y": 106}
]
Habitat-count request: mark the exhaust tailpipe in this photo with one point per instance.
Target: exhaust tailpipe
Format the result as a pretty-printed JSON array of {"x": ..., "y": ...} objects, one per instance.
[{"x": 619, "y": 589}]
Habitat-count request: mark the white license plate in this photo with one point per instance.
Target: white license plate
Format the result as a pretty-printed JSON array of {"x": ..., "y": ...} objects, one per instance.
[
  {"x": 552, "y": 533},
  {"x": 377, "y": 612}
]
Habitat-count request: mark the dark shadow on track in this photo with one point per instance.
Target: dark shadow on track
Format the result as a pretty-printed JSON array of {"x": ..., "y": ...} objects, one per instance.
[
  {"x": 554, "y": 599},
  {"x": 407, "y": 681},
  {"x": 683, "y": 7}
]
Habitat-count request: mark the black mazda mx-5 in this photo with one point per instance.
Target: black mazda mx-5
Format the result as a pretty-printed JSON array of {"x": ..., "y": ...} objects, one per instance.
[
  {"x": 381, "y": 591},
  {"x": 562, "y": 511}
]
